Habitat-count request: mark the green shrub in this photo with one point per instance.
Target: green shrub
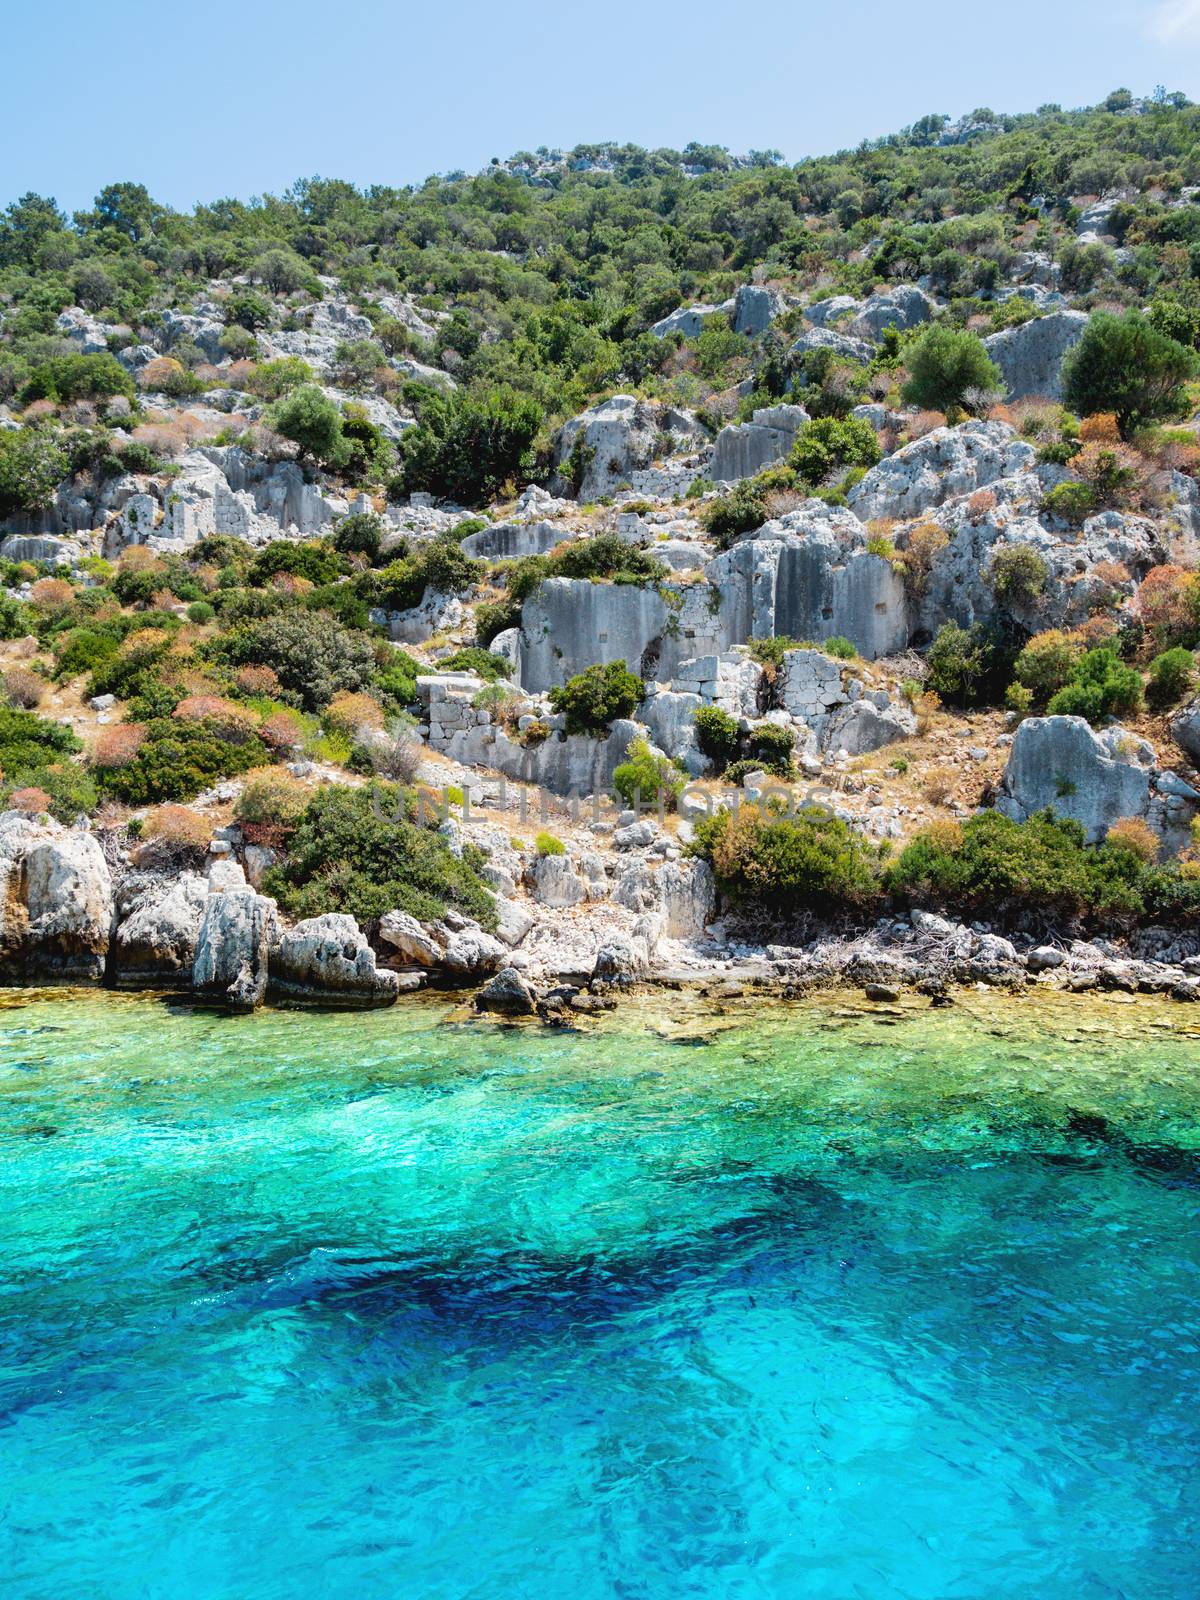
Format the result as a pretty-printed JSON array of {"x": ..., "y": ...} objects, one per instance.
[
  {"x": 966, "y": 665},
  {"x": 200, "y": 612},
  {"x": 177, "y": 760},
  {"x": 465, "y": 446},
  {"x": 788, "y": 865},
  {"x": 248, "y": 310},
  {"x": 441, "y": 565},
  {"x": 29, "y": 744},
  {"x": 770, "y": 746},
  {"x": 1101, "y": 686},
  {"x": 32, "y": 465},
  {"x": 481, "y": 662},
  {"x": 358, "y": 851},
  {"x": 396, "y": 681},
  {"x": 1124, "y": 365},
  {"x": 1017, "y": 575},
  {"x": 716, "y": 734},
  {"x": 840, "y": 648},
  {"x": 1172, "y": 675},
  {"x": 66, "y": 378},
  {"x": 547, "y": 844},
  {"x": 1046, "y": 664},
  {"x": 271, "y": 380},
  {"x": 740, "y": 511},
  {"x": 643, "y": 776},
  {"x": 360, "y": 534},
  {"x": 1073, "y": 502},
  {"x": 1005, "y": 867},
  {"x": 312, "y": 559},
  {"x": 314, "y": 656},
  {"x": 828, "y": 445},
  {"x": 950, "y": 371},
  {"x": 596, "y": 697},
  {"x": 313, "y": 422}
]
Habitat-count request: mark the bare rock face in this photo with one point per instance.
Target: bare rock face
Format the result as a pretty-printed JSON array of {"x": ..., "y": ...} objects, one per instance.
[
  {"x": 939, "y": 466},
  {"x": 1096, "y": 778},
  {"x": 158, "y": 930},
  {"x": 1030, "y": 357},
  {"x": 236, "y": 932},
  {"x": 328, "y": 958},
  {"x": 688, "y": 895},
  {"x": 56, "y": 902},
  {"x": 597, "y": 451}
]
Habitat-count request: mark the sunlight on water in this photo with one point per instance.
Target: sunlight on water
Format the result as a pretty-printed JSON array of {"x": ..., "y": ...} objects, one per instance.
[{"x": 792, "y": 1302}]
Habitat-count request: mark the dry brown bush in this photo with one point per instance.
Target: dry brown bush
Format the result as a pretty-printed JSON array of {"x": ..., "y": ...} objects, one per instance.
[
  {"x": 257, "y": 680},
  {"x": 1100, "y": 428},
  {"x": 938, "y": 784},
  {"x": 923, "y": 544},
  {"x": 117, "y": 746},
  {"x": 281, "y": 731},
  {"x": 1164, "y": 599},
  {"x": 924, "y": 422},
  {"x": 980, "y": 503},
  {"x": 30, "y": 802},
  {"x": 1136, "y": 835},
  {"x": 348, "y": 713},
  {"x": 230, "y": 721},
  {"x": 23, "y": 689},
  {"x": 50, "y": 594},
  {"x": 174, "y": 836}
]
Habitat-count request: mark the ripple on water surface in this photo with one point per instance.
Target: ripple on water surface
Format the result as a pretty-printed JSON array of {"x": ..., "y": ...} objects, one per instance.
[{"x": 791, "y": 1301}]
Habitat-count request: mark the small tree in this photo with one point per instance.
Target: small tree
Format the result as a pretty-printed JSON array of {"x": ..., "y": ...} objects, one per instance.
[
  {"x": 950, "y": 371},
  {"x": 593, "y": 698},
  {"x": 313, "y": 422},
  {"x": 1126, "y": 366}
]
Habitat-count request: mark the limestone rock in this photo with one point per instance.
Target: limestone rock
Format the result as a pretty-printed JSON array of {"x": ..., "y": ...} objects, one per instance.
[
  {"x": 843, "y": 345},
  {"x": 470, "y": 951},
  {"x": 156, "y": 937},
  {"x": 942, "y": 464},
  {"x": 616, "y": 439},
  {"x": 688, "y": 895},
  {"x": 556, "y": 883},
  {"x": 328, "y": 958},
  {"x": 904, "y": 307},
  {"x": 1063, "y": 763},
  {"x": 407, "y": 936},
  {"x": 1185, "y": 728},
  {"x": 507, "y": 993},
  {"x": 513, "y": 922},
  {"x": 56, "y": 902},
  {"x": 1030, "y": 356},
  {"x": 742, "y": 449},
  {"x": 236, "y": 932},
  {"x": 755, "y": 308}
]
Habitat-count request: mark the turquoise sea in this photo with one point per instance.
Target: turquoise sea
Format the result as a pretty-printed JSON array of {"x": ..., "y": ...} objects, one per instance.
[{"x": 789, "y": 1301}]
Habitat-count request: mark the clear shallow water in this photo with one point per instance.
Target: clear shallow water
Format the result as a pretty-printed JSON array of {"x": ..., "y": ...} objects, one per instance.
[{"x": 808, "y": 1304}]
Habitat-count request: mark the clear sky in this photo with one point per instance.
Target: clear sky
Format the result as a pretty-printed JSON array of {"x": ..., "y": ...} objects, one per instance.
[{"x": 234, "y": 98}]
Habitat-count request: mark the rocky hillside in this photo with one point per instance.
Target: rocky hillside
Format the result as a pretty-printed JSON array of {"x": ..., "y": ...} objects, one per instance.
[{"x": 754, "y": 550}]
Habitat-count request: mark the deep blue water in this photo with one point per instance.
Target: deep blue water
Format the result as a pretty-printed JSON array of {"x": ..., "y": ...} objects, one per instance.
[{"x": 809, "y": 1304}]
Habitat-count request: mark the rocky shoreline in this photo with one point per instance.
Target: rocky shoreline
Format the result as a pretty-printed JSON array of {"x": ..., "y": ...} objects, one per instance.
[{"x": 71, "y": 916}]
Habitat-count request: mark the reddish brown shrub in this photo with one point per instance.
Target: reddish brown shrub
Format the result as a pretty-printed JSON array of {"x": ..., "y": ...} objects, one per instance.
[
  {"x": 117, "y": 746},
  {"x": 32, "y": 802},
  {"x": 23, "y": 689},
  {"x": 51, "y": 594},
  {"x": 257, "y": 680}
]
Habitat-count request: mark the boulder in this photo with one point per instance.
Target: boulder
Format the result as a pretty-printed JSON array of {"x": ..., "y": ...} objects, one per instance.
[
  {"x": 1030, "y": 356},
  {"x": 831, "y": 310},
  {"x": 556, "y": 883},
  {"x": 865, "y": 726},
  {"x": 843, "y": 345},
  {"x": 506, "y": 541},
  {"x": 469, "y": 951},
  {"x": 939, "y": 466},
  {"x": 236, "y": 932},
  {"x": 513, "y": 922},
  {"x": 904, "y": 307},
  {"x": 1094, "y": 777},
  {"x": 159, "y": 927},
  {"x": 742, "y": 449},
  {"x": 328, "y": 958},
  {"x": 1185, "y": 729},
  {"x": 687, "y": 320},
  {"x": 56, "y": 902},
  {"x": 615, "y": 439},
  {"x": 508, "y": 994},
  {"x": 406, "y": 935},
  {"x": 755, "y": 308}
]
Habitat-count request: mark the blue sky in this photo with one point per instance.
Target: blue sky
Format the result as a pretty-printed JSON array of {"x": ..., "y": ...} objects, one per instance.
[{"x": 236, "y": 99}]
